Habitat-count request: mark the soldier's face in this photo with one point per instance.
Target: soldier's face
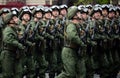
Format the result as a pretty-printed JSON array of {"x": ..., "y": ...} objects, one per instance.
[
  {"x": 55, "y": 13},
  {"x": 48, "y": 15},
  {"x": 26, "y": 17},
  {"x": 111, "y": 14},
  {"x": 97, "y": 15},
  {"x": 84, "y": 16},
  {"x": 79, "y": 15},
  {"x": 15, "y": 19},
  {"x": 89, "y": 10},
  {"x": 63, "y": 12},
  {"x": 104, "y": 12},
  {"x": 39, "y": 14},
  {"x": 117, "y": 14}
]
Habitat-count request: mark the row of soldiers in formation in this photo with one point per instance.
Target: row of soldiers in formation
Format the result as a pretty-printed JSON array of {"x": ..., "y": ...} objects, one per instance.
[{"x": 88, "y": 37}]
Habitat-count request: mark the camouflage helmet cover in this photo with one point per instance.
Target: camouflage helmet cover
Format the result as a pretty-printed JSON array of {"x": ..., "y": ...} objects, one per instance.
[
  {"x": 8, "y": 17},
  {"x": 72, "y": 11}
]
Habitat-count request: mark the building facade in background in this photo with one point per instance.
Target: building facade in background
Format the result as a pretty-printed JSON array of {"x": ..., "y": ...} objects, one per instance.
[{"x": 19, "y": 3}]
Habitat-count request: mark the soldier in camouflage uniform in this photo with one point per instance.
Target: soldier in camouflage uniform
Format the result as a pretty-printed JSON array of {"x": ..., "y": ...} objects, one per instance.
[
  {"x": 60, "y": 36},
  {"x": 52, "y": 30},
  {"x": 114, "y": 33},
  {"x": 24, "y": 33},
  {"x": 70, "y": 56},
  {"x": 3, "y": 13},
  {"x": 101, "y": 39},
  {"x": 11, "y": 65},
  {"x": 88, "y": 39},
  {"x": 38, "y": 38}
]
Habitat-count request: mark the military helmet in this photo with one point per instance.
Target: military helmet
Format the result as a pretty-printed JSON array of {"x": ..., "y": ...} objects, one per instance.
[
  {"x": 79, "y": 8},
  {"x": 105, "y": 6},
  {"x": 55, "y": 7},
  {"x": 40, "y": 6},
  {"x": 23, "y": 8},
  {"x": 96, "y": 9},
  {"x": 97, "y": 5},
  {"x": 4, "y": 10},
  {"x": 25, "y": 11},
  {"x": 112, "y": 9},
  {"x": 110, "y": 5},
  {"x": 89, "y": 6},
  {"x": 63, "y": 6},
  {"x": 118, "y": 8},
  {"x": 84, "y": 10},
  {"x": 32, "y": 8},
  {"x": 47, "y": 9},
  {"x": 82, "y": 6},
  {"x": 71, "y": 12},
  {"x": 8, "y": 17},
  {"x": 38, "y": 9},
  {"x": 15, "y": 11}
]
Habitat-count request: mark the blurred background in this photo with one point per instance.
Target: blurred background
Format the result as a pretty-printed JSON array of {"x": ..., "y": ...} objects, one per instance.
[{"x": 19, "y": 3}]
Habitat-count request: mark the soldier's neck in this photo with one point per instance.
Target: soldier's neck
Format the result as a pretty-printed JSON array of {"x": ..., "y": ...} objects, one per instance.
[
  {"x": 24, "y": 22},
  {"x": 36, "y": 20}
]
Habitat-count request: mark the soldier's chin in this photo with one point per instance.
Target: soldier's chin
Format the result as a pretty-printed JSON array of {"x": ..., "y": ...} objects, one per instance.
[
  {"x": 27, "y": 20},
  {"x": 16, "y": 23}
]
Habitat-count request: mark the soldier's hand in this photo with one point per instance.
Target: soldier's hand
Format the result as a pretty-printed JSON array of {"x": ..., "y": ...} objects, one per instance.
[
  {"x": 93, "y": 43},
  {"x": 84, "y": 45},
  {"x": 52, "y": 37},
  {"x": 105, "y": 40},
  {"x": 21, "y": 47},
  {"x": 102, "y": 37},
  {"x": 33, "y": 44}
]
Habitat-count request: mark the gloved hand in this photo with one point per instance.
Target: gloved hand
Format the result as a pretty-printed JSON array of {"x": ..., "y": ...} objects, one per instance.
[
  {"x": 21, "y": 47},
  {"x": 93, "y": 43}
]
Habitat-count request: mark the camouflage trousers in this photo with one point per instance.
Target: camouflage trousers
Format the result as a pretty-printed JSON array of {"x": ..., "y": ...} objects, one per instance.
[
  {"x": 11, "y": 67},
  {"x": 74, "y": 67}
]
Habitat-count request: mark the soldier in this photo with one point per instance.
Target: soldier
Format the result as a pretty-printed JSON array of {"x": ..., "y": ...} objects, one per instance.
[
  {"x": 114, "y": 39},
  {"x": 10, "y": 64},
  {"x": 101, "y": 38},
  {"x": 52, "y": 30},
  {"x": 70, "y": 56},
  {"x": 24, "y": 33},
  {"x": 60, "y": 36},
  {"x": 88, "y": 40},
  {"x": 63, "y": 10},
  {"x": 3, "y": 13},
  {"x": 105, "y": 9},
  {"x": 39, "y": 52}
]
